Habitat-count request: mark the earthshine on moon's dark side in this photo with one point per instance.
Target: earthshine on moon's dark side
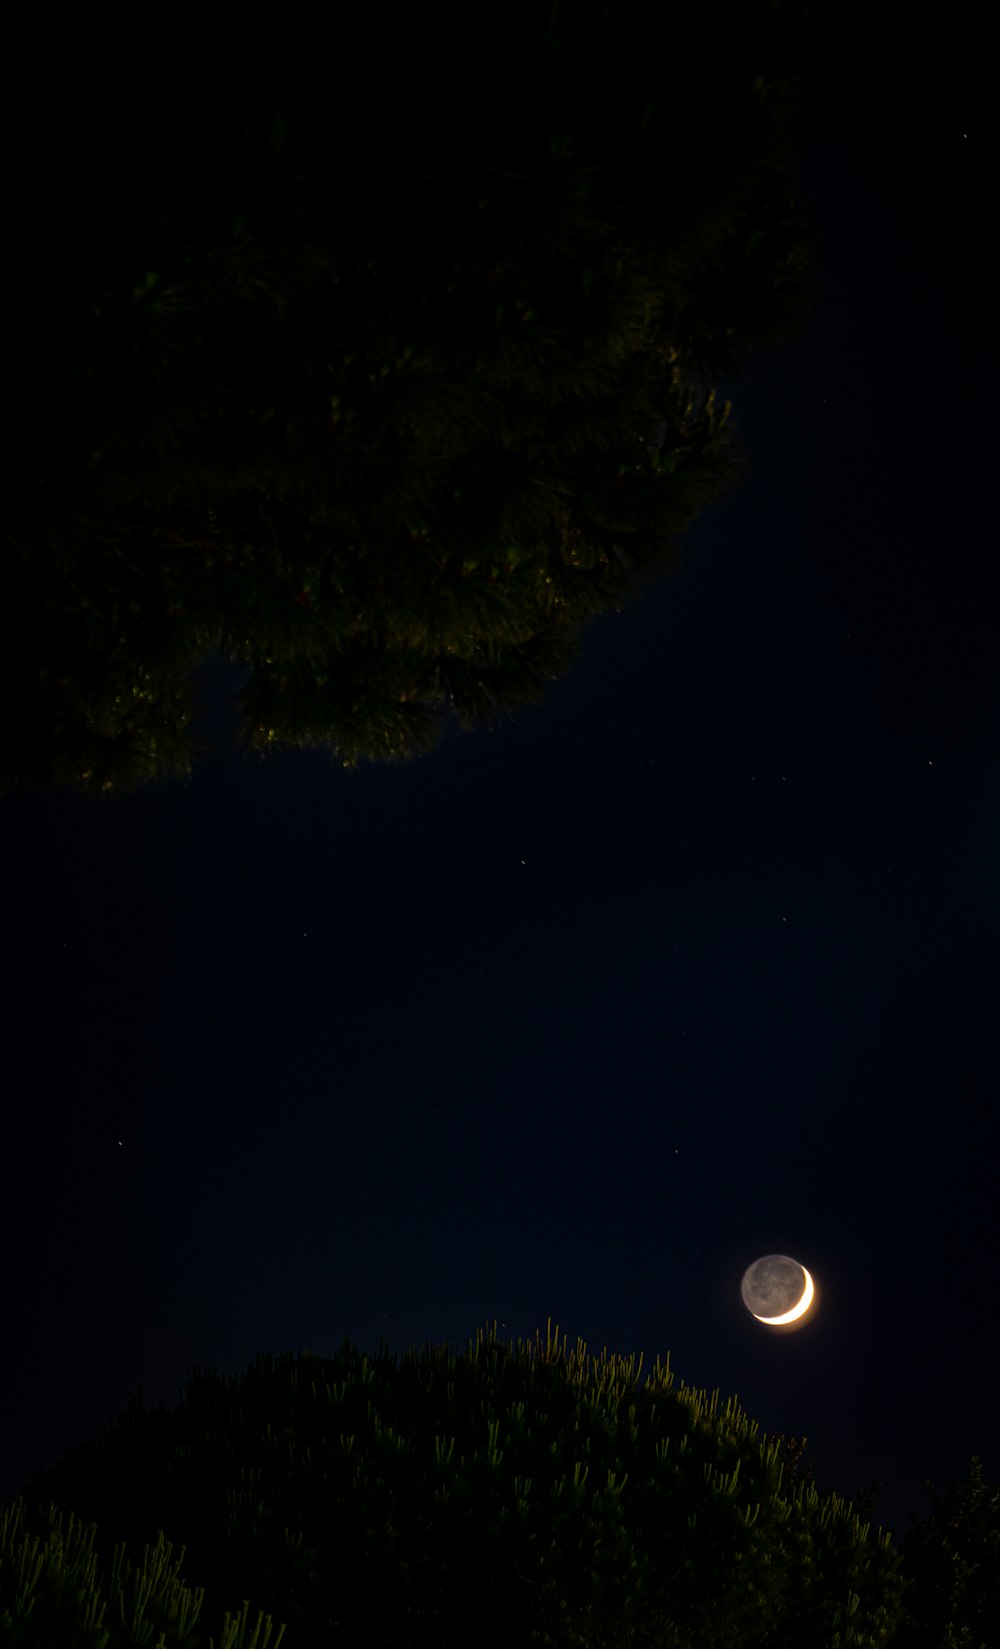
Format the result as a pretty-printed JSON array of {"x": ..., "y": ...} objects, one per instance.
[{"x": 777, "y": 1290}]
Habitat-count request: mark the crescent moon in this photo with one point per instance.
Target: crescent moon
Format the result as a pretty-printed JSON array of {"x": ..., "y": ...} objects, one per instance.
[
  {"x": 777, "y": 1290},
  {"x": 797, "y": 1310}
]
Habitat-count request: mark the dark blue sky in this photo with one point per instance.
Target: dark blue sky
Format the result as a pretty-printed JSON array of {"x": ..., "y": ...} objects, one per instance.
[{"x": 694, "y": 962}]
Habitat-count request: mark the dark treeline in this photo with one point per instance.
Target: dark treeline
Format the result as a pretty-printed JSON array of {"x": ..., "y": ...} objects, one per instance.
[
  {"x": 385, "y": 382},
  {"x": 524, "y": 1494}
]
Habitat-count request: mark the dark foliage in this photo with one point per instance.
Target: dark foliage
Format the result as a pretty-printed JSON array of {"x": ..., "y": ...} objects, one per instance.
[
  {"x": 54, "y": 1596},
  {"x": 951, "y": 1563},
  {"x": 511, "y": 1495},
  {"x": 385, "y": 388}
]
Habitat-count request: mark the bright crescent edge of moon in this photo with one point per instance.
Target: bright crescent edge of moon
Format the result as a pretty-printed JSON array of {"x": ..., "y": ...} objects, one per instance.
[{"x": 798, "y": 1310}]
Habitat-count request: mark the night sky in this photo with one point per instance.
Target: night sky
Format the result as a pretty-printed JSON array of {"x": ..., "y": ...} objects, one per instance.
[{"x": 694, "y": 962}]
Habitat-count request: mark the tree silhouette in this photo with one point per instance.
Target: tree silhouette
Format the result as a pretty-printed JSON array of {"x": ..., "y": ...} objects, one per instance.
[
  {"x": 392, "y": 434},
  {"x": 52, "y": 1595},
  {"x": 520, "y": 1494},
  {"x": 951, "y": 1565}
]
